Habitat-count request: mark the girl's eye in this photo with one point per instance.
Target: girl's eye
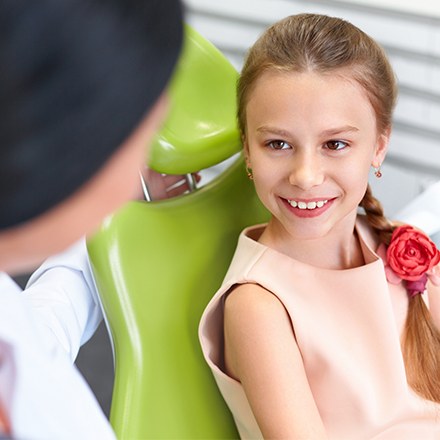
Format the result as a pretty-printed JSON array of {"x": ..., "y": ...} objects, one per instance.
[
  {"x": 336, "y": 145},
  {"x": 278, "y": 145}
]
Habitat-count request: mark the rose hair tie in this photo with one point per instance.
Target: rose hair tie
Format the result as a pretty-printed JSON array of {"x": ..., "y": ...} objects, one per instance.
[{"x": 413, "y": 258}]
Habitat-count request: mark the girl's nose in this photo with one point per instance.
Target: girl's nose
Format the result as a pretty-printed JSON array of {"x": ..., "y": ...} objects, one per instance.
[{"x": 306, "y": 171}]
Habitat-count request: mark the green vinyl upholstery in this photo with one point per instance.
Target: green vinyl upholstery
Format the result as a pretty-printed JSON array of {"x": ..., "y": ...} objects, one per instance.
[
  {"x": 200, "y": 129},
  {"x": 157, "y": 264}
]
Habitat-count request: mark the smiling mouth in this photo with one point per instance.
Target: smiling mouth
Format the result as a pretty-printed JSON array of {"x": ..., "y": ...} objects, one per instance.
[{"x": 307, "y": 205}]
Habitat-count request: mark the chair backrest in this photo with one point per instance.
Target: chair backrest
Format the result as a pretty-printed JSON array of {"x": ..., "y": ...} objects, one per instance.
[{"x": 157, "y": 265}]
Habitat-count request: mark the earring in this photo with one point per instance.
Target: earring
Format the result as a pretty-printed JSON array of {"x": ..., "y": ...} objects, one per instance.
[
  {"x": 249, "y": 173},
  {"x": 377, "y": 172}
]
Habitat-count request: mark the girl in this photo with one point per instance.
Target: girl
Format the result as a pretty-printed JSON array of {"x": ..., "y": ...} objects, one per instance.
[{"x": 320, "y": 329}]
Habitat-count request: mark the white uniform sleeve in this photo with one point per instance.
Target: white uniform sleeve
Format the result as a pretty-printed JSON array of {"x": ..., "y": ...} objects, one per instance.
[
  {"x": 46, "y": 397},
  {"x": 63, "y": 296}
]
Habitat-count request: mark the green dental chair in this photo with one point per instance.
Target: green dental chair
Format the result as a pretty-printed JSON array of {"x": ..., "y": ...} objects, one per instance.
[{"x": 157, "y": 264}]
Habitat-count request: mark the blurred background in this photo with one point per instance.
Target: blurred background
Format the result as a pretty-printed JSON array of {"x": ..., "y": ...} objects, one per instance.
[{"x": 410, "y": 33}]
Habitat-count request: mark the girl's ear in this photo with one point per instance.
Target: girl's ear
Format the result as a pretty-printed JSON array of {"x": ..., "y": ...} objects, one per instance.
[
  {"x": 246, "y": 151},
  {"x": 381, "y": 148}
]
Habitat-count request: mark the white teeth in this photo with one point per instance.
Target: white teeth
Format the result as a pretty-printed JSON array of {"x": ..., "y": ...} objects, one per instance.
[{"x": 309, "y": 205}]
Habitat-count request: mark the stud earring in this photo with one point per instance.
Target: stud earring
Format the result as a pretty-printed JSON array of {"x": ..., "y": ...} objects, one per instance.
[
  {"x": 249, "y": 173},
  {"x": 378, "y": 172}
]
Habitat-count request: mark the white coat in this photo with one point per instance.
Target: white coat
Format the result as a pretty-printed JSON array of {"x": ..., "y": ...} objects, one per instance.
[{"x": 44, "y": 395}]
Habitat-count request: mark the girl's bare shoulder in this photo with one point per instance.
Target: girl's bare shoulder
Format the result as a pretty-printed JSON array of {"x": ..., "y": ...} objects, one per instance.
[{"x": 252, "y": 299}]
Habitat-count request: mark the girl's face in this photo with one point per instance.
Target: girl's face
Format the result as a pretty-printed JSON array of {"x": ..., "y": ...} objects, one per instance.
[{"x": 310, "y": 142}]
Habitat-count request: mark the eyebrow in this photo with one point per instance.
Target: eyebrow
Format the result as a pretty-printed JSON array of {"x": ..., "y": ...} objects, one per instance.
[
  {"x": 329, "y": 132},
  {"x": 273, "y": 130},
  {"x": 338, "y": 130}
]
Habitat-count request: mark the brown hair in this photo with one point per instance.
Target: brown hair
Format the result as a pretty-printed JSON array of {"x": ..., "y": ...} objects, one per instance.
[
  {"x": 328, "y": 45},
  {"x": 421, "y": 338}
]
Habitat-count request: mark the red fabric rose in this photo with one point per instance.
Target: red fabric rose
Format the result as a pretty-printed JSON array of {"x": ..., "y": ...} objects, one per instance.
[{"x": 411, "y": 253}]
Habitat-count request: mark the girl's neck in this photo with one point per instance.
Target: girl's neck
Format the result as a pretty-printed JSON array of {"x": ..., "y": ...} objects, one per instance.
[{"x": 338, "y": 249}]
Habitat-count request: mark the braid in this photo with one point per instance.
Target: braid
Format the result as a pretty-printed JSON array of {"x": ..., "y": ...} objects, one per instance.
[
  {"x": 421, "y": 350},
  {"x": 376, "y": 218},
  {"x": 421, "y": 338}
]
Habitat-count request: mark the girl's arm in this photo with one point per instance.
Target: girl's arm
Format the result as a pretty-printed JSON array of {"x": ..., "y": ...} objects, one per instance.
[{"x": 261, "y": 352}]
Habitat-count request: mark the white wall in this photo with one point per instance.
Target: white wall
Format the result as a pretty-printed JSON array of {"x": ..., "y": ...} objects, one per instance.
[{"x": 412, "y": 41}]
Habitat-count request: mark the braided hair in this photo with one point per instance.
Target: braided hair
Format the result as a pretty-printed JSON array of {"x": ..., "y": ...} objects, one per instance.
[{"x": 421, "y": 338}]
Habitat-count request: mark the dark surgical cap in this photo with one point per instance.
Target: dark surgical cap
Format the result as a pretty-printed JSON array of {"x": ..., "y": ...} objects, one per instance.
[{"x": 76, "y": 77}]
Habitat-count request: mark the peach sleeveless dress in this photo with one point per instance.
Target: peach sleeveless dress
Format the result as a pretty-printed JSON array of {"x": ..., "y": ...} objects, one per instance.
[{"x": 347, "y": 324}]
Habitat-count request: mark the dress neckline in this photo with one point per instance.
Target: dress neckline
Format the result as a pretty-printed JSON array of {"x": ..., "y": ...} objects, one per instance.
[{"x": 365, "y": 236}]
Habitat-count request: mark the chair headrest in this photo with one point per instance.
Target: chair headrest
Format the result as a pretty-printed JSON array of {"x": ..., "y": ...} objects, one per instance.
[{"x": 201, "y": 129}]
